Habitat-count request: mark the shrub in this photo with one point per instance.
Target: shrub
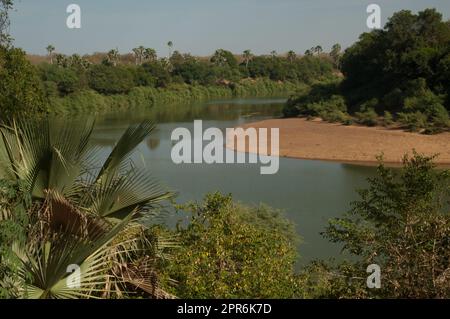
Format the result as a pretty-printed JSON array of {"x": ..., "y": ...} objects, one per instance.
[
  {"x": 401, "y": 223},
  {"x": 66, "y": 80},
  {"x": 21, "y": 91},
  {"x": 413, "y": 121},
  {"x": 233, "y": 251},
  {"x": 367, "y": 117},
  {"x": 110, "y": 80},
  {"x": 388, "y": 118}
]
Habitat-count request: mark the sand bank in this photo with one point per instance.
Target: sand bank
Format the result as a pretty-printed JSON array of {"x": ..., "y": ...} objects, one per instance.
[{"x": 316, "y": 140}]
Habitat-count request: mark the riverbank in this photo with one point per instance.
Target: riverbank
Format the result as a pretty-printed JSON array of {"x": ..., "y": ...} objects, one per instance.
[
  {"x": 318, "y": 140},
  {"x": 91, "y": 101}
]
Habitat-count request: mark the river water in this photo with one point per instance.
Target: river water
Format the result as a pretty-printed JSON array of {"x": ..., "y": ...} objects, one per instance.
[{"x": 308, "y": 192}]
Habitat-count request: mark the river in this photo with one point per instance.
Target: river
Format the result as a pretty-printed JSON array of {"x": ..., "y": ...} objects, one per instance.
[{"x": 308, "y": 192}]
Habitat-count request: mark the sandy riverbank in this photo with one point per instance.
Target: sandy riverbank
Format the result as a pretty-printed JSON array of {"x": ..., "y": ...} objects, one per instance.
[{"x": 318, "y": 140}]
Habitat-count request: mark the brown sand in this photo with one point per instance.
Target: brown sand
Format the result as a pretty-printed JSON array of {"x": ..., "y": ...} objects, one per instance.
[{"x": 318, "y": 140}]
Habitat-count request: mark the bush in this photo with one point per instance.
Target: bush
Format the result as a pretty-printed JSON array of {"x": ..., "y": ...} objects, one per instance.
[
  {"x": 388, "y": 119},
  {"x": 66, "y": 80},
  {"x": 413, "y": 121},
  {"x": 367, "y": 117},
  {"x": 401, "y": 223},
  {"x": 110, "y": 80},
  {"x": 233, "y": 251},
  {"x": 21, "y": 91}
]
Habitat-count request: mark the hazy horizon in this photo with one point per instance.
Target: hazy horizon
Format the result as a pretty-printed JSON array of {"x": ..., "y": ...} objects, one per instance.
[{"x": 199, "y": 26}]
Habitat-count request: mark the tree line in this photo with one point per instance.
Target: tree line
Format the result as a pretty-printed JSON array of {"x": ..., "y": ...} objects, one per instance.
[{"x": 399, "y": 73}]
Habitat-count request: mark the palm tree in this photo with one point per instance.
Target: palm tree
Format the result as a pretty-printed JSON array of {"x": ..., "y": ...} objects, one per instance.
[
  {"x": 150, "y": 55},
  {"x": 291, "y": 56},
  {"x": 170, "y": 45},
  {"x": 139, "y": 54},
  {"x": 318, "y": 49},
  {"x": 336, "y": 54},
  {"x": 308, "y": 53},
  {"x": 273, "y": 54},
  {"x": 247, "y": 57},
  {"x": 50, "y": 49},
  {"x": 113, "y": 57},
  {"x": 86, "y": 210}
]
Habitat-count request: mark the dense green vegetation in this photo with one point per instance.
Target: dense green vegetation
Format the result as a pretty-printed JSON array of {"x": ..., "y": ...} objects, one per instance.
[
  {"x": 21, "y": 91},
  {"x": 90, "y": 100},
  {"x": 232, "y": 251},
  {"x": 72, "y": 83},
  {"x": 402, "y": 69}
]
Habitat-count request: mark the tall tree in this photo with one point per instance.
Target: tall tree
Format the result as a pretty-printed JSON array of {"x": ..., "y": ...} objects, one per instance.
[
  {"x": 318, "y": 49},
  {"x": 170, "y": 45},
  {"x": 150, "y": 55},
  {"x": 247, "y": 57},
  {"x": 139, "y": 54},
  {"x": 50, "y": 49},
  {"x": 5, "y": 7},
  {"x": 113, "y": 57},
  {"x": 291, "y": 56},
  {"x": 335, "y": 54}
]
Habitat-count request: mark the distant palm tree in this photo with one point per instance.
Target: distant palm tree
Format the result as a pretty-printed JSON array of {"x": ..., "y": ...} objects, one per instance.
[
  {"x": 113, "y": 56},
  {"x": 139, "y": 54},
  {"x": 273, "y": 54},
  {"x": 50, "y": 49},
  {"x": 84, "y": 212},
  {"x": 318, "y": 49},
  {"x": 170, "y": 45},
  {"x": 150, "y": 54},
  {"x": 247, "y": 54},
  {"x": 335, "y": 54},
  {"x": 291, "y": 56},
  {"x": 136, "y": 55},
  {"x": 308, "y": 53}
]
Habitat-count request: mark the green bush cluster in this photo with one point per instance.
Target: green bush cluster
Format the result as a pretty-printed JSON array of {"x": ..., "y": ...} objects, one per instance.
[
  {"x": 21, "y": 91},
  {"x": 401, "y": 71},
  {"x": 401, "y": 223},
  {"x": 73, "y": 84},
  {"x": 234, "y": 251}
]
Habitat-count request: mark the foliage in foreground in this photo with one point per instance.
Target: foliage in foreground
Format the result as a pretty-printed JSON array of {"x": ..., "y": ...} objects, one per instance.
[
  {"x": 233, "y": 251},
  {"x": 401, "y": 223},
  {"x": 86, "y": 210}
]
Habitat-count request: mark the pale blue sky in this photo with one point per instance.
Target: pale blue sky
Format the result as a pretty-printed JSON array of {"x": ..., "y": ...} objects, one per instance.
[{"x": 199, "y": 26}]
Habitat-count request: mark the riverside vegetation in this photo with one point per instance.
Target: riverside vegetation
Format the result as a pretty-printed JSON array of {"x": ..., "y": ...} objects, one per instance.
[
  {"x": 398, "y": 74},
  {"x": 74, "y": 83}
]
